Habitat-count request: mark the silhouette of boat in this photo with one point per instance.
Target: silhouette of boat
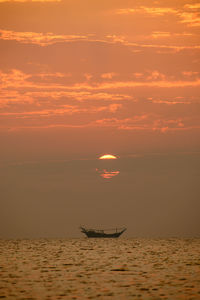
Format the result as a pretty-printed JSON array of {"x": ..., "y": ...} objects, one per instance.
[{"x": 106, "y": 233}]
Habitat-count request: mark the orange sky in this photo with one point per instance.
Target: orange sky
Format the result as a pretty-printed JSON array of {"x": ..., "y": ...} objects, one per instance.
[
  {"x": 84, "y": 78},
  {"x": 90, "y": 77}
]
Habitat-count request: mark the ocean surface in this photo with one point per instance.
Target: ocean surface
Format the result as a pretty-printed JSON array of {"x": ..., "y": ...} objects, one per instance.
[{"x": 100, "y": 269}]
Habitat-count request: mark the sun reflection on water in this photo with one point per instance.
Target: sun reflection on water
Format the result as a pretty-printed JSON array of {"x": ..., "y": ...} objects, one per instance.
[{"x": 107, "y": 174}]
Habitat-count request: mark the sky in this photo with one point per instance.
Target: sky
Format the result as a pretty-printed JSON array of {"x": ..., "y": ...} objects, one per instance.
[{"x": 80, "y": 79}]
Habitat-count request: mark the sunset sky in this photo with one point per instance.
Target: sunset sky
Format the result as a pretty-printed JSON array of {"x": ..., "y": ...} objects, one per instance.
[{"x": 80, "y": 79}]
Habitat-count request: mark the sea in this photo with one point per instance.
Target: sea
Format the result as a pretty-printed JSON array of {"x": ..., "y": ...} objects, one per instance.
[{"x": 100, "y": 269}]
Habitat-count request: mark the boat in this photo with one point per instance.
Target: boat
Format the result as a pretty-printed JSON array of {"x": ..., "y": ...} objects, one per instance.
[{"x": 105, "y": 233}]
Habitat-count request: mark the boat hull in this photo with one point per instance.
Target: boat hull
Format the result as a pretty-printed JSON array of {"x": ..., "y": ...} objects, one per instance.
[{"x": 101, "y": 234}]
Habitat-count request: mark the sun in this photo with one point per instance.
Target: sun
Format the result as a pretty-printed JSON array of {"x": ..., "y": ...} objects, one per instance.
[{"x": 108, "y": 156}]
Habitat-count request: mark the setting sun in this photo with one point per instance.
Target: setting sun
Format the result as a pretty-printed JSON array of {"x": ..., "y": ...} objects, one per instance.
[
  {"x": 108, "y": 156},
  {"x": 99, "y": 129}
]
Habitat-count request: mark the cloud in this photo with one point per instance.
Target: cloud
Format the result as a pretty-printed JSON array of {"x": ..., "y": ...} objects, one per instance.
[
  {"x": 24, "y": 83},
  {"x": 45, "y": 39},
  {"x": 188, "y": 13},
  {"x": 134, "y": 84},
  {"x": 108, "y": 75},
  {"x": 46, "y": 112},
  {"x": 49, "y": 38},
  {"x": 156, "y": 75},
  {"x": 166, "y": 34},
  {"x": 148, "y": 122},
  {"x": 25, "y": 102},
  {"x": 88, "y": 76},
  {"x": 191, "y": 19},
  {"x": 39, "y": 38},
  {"x": 114, "y": 107},
  {"x": 21, "y": 1},
  {"x": 168, "y": 102},
  {"x": 138, "y": 47},
  {"x": 136, "y": 121},
  {"x": 158, "y": 11},
  {"x": 160, "y": 34},
  {"x": 138, "y": 75},
  {"x": 19, "y": 80},
  {"x": 166, "y": 125},
  {"x": 192, "y": 6},
  {"x": 190, "y": 73}
]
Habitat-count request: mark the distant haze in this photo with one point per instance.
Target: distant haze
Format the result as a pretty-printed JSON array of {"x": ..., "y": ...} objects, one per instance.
[{"x": 153, "y": 195}]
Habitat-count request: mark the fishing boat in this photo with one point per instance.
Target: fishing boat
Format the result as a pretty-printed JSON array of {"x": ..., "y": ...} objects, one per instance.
[{"x": 105, "y": 233}]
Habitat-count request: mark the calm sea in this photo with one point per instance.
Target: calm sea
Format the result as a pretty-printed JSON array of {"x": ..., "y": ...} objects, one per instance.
[{"x": 100, "y": 269}]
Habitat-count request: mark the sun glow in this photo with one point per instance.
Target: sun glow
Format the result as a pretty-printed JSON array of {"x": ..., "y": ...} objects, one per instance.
[{"x": 108, "y": 156}]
